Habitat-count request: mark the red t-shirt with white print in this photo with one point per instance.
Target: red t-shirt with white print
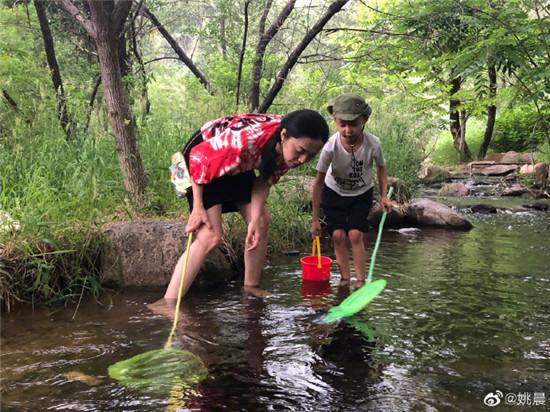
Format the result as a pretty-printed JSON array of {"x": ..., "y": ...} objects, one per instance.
[{"x": 232, "y": 145}]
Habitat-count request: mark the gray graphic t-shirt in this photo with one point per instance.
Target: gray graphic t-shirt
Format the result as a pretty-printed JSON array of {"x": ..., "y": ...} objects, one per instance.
[{"x": 350, "y": 174}]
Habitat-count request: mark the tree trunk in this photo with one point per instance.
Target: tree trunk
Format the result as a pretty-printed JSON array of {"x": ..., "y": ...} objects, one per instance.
[
  {"x": 123, "y": 55},
  {"x": 61, "y": 106},
  {"x": 120, "y": 114},
  {"x": 491, "y": 113},
  {"x": 456, "y": 124},
  {"x": 223, "y": 40},
  {"x": 142, "y": 73},
  {"x": 334, "y": 8},
  {"x": 265, "y": 38},
  {"x": 177, "y": 49}
]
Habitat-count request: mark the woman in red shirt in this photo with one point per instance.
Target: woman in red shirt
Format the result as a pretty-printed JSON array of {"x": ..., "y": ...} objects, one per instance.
[{"x": 221, "y": 158}]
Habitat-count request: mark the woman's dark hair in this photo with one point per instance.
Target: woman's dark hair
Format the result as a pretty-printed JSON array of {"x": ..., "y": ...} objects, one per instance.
[{"x": 300, "y": 123}]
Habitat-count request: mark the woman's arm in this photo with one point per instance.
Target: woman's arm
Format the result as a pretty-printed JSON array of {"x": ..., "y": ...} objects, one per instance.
[
  {"x": 258, "y": 219},
  {"x": 198, "y": 216}
]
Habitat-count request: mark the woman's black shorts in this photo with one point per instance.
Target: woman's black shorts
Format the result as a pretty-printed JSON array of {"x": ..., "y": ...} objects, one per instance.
[
  {"x": 343, "y": 212},
  {"x": 229, "y": 191}
]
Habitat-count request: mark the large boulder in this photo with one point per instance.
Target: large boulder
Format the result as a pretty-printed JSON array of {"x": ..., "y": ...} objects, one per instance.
[
  {"x": 495, "y": 169},
  {"x": 510, "y": 157},
  {"x": 513, "y": 157},
  {"x": 395, "y": 218},
  {"x": 144, "y": 253},
  {"x": 541, "y": 171},
  {"x": 538, "y": 170},
  {"x": 426, "y": 212}
]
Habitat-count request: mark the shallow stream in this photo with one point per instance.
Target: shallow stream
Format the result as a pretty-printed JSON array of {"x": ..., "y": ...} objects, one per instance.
[{"x": 464, "y": 315}]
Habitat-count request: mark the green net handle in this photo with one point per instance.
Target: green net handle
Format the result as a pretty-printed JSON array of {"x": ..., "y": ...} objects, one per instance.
[{"x": 378, "y": 238}]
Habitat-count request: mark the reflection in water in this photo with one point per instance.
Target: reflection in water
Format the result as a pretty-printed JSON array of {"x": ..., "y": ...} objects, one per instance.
[{"x": 463, "y": 314}]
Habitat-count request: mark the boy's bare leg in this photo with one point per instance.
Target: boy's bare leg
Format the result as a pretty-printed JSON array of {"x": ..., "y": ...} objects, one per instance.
[
  {"x": 358, "y": 250},
  {"x": 204, "y": 241},
  {"x": 339, "y": 239}
]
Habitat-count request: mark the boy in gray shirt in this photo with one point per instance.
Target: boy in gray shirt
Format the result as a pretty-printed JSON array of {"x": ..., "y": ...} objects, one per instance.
[{"x": 343, "y": 186}]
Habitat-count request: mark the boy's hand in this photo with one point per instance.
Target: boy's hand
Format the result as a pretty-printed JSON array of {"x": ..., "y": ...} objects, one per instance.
[
  {"x": 315, "y": 229},
  {"x": 386, "y": 204}
]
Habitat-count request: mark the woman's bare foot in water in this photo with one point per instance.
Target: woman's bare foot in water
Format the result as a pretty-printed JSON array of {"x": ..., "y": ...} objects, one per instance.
[
  {"x": 164, "y": 307},
  {"x": 255, "y": 291}
]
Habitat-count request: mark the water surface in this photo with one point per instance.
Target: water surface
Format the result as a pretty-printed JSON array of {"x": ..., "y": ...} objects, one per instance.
[{"x": 464, "y": 314}]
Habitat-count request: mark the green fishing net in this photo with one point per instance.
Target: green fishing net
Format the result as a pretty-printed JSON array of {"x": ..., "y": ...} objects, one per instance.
[
  {"x": 159, "y": 370},
  {"x": 356, "y": 301}
]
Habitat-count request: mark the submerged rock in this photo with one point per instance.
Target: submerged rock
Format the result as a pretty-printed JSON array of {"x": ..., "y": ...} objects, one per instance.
[
  {"x": 430, "y": 174},
  {"x": 543, "y": 207},
  {"x": 77, "y": 376},
  {"x": 515, "y": 190},
  {"x": 481, "y": 208},
  {"x": 454, "y": 189}
]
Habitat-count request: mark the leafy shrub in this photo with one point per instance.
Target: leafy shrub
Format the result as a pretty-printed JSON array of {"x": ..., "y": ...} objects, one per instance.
[
  {"x": 402, "y": 136},
  {"x": 520, "y": 129}
]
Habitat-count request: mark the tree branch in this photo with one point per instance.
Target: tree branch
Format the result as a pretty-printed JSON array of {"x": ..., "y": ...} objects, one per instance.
[
  {"x": 265, "y": 38},
  {"x": 120, "y": 14},
  {"x": 334, "y": 8},
  {"x": 177, "y": 49},
  {"x": 162, "y": 58},
  {"x": 387, "y": 33},
  {"x": 79, "y": 17},
  {"x": 241, "y": 56},
  {"x": 263, "y": 19},
  {"x": 133, "y": 19}
]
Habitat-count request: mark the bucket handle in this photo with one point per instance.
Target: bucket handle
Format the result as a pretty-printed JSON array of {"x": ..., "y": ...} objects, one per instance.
[{"x": 316, "y": 245}]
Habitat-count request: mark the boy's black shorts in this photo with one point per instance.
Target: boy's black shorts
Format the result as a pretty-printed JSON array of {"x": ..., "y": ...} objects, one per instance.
[{"x": 342, "y": 212}]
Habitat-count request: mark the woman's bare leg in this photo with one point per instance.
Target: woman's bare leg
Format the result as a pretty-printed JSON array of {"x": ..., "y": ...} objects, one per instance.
[
  {"x": 204, "y": 241},
  {"x": 254, "y": 260}
]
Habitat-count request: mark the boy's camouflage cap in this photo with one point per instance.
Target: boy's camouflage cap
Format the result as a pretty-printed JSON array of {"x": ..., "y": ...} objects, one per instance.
[{"x": 349, "y": 106}]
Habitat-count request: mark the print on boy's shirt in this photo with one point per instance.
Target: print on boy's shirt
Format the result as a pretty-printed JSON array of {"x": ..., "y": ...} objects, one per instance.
[{"x": 355, "y": 177}]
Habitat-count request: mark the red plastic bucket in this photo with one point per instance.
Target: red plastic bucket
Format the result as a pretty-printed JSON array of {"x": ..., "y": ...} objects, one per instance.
[{"x": 310, "y": 271}]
